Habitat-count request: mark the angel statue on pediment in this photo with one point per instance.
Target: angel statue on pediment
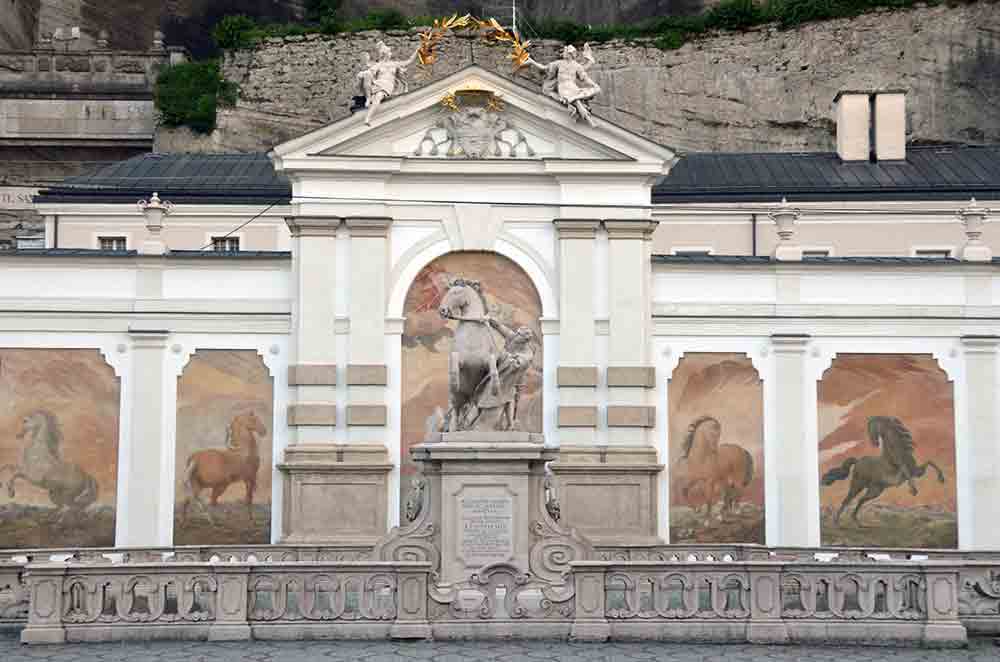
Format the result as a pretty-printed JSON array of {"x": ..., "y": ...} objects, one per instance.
[
  {"x": 567, "y": 81},
  {"x": 383, "y": 77}
]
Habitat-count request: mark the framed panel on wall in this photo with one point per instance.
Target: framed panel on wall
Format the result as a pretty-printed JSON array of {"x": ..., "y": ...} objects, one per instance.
[
  {"x": 222, "y": 480},
  {"x": 716, "y": 435},
  {"x": 887, "y": 452},
  {"x": 59, "y": 424}
]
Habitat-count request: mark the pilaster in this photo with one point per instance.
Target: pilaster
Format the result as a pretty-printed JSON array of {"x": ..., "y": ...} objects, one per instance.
[
  {"x": 577, "y": 375},
  {"x": 367, "y": 374},
  {"x": 312, "y": 373},
  {"x": 630, "y": 413},
  {"x": 796, "y": 525},
  {"x": 147, "y": 459},
  {"x": 982, "y": 441}
]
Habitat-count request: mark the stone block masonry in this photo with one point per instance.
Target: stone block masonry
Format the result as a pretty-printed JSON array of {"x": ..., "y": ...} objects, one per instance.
[{"x": 761, "y": 90}]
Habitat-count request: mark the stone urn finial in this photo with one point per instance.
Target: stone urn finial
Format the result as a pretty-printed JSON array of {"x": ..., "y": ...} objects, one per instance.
[
  {"x": 154, "y": 210},
  {"x": 973, "y": 218},
  {"x": 784, "y": 217}
]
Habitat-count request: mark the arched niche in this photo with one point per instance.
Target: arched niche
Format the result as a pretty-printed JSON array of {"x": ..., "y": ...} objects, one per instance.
[
  {"x": 511, "y": 297},
  {"x": 221, "y": 450},
  {"x": 59, "y": 435},
  {"x": 715, "y": 406},
  {"x": 870, "y": 407}
]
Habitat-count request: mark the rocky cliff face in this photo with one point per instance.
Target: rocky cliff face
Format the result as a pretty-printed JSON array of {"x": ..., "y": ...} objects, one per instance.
[{"x": 763, "y": 90}]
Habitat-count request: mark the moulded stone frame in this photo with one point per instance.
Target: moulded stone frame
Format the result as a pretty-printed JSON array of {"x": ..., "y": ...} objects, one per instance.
[
  {"x": 114, "y": 348},
  {"x": 273, "y": 352},
  {"x": 667, "y": 354}
]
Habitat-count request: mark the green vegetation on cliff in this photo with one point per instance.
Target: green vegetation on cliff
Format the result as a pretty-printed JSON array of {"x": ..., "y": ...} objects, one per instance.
[
  {"x": 189, "y": 95},
  {"x": 667, "y": 32}
]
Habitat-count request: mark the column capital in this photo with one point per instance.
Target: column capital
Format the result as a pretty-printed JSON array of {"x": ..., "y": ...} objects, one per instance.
[
  {"x": 313, "y": 226},
  {"x": 368, "y": 226},
  {"x": 980, "y": 344},
  {"x": 629, "y": 229},
  {"x": 790, "y": 343},
  {"x": 576, "y": 228},
  {"x": 148, "y": 338}
]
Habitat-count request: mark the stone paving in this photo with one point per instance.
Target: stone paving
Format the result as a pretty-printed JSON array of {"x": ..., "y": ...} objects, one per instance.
[{"x": 979, "y": 650}]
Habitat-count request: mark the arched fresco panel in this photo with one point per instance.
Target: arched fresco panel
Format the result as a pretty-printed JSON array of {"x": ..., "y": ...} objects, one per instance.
[
  {"x": 887, "y": 442},
  {"x": 716, "y": 410},
  {"x": 223, "y": 459},
  {"x": 511, "y": 299},
  {"x": 59, "y": 413}
]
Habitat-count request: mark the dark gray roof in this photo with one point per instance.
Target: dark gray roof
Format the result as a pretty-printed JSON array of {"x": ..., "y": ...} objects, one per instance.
[
  {"x": 221, "y": 178},
  {"x": 875, "y": 260},
  {"x": 931, "y": 173}
]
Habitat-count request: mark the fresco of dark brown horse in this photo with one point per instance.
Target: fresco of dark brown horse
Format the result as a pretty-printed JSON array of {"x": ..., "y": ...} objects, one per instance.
[
  {"x": 217, "y": 469},
  {"x": 871, "y": 476},
  {"x": 713, "y": 469}
]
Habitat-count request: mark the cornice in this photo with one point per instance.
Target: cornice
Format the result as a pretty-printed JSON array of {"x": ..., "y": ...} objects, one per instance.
[
  {"x": 368, "y": 226},
  {"x": 570, "y": 228},
  {"x": 313, "y": 226}
]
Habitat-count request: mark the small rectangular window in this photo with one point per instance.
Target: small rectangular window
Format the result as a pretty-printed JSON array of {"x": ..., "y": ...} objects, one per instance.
[
  {"x": 940, "y": 254},
  {"x": 113, "y": 243},
  {"x": 816, "y": 253},
  {"x": 226, "y": 244}
]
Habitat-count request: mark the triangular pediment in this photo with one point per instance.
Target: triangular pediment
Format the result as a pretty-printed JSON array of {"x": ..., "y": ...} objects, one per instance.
[{"x": 497, "y": 122}]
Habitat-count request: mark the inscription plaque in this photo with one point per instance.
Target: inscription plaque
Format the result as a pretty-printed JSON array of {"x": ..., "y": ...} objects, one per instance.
[{"x": 487, "y": 529}]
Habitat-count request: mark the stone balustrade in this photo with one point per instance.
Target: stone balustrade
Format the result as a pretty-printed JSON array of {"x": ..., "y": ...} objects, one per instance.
[
  {"x": 50, "y": 70},
  {"x": 707, "y": 592}
]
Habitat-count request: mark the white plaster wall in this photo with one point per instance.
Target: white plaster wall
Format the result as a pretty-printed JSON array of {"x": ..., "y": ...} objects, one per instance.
[
  {"x": 54, "y": 280},
  {"x": 899, "y": 287},
  {"x": 226, "y": 283},
  {"x": 716, "y": 286}
]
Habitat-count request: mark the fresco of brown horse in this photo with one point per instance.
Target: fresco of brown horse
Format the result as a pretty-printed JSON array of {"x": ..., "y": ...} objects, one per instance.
[
  {"x": 217, "y": 469},
  {"x": 715, "y": 470},
  {"x": 70, "y": 488}
]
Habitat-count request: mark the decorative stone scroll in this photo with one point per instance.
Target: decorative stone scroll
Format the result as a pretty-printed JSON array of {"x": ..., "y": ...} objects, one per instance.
[
  {"x": 556, "y": 546},
  {"x": 524, "y": 597},
  {"x": 416, "y": 541}
]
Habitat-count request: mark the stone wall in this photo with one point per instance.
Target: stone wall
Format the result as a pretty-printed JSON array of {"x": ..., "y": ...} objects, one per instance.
[{"x": 762, "y": 90}]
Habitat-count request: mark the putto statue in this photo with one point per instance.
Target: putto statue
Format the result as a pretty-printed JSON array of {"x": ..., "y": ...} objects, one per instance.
[
  {"x": 383, "y": 77},
  {"x": 484, "y": 380},
  {"x": 567, "y": 81}
]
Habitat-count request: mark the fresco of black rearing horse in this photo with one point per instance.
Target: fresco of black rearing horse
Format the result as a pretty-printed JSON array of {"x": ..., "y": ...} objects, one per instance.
[
  {"x": 70, "y": 488},
  {"x": 871, "y": 476}
]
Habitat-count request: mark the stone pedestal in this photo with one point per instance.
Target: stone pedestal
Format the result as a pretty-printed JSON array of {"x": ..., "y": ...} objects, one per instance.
[
  {"x": 609, "y": 493},
  {"x": 335, "y": 494},
  {"x": 490, "y": 487}
]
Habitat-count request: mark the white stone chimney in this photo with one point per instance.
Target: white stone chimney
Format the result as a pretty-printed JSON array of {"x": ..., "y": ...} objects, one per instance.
[
  {"x": 871, "y": 125},
  {"x": 890, "y": 126},
  {"x": 853, "y": 111}
]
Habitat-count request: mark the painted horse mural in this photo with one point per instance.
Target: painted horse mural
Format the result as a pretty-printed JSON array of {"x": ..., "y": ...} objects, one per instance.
[
  {"x": 874, "y": 475},
  {"x": 217, "y": 469},
  {"x": 71, "y": 489},
  {"x": 714, "y": 469}
]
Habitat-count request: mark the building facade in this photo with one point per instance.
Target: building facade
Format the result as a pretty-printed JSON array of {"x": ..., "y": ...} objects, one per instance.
[{"x": 252, "y": 363}]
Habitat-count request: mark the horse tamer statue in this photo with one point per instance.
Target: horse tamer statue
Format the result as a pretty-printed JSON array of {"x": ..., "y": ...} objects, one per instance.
[{"x": 484, "y": 380}]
